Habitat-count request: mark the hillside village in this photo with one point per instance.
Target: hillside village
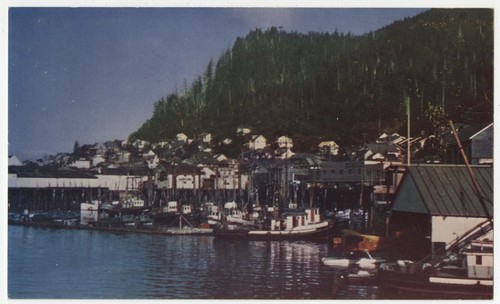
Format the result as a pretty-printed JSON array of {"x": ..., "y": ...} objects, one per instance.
[
  {"x": 191, "y": 171},
  {"x": 293, "y": 137}
]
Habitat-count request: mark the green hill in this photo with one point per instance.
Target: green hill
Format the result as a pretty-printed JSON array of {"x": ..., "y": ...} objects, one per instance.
[{"x": 335, "y": 86}]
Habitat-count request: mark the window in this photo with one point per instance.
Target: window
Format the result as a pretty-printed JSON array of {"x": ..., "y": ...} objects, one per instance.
[{"x": 479, "y": 260}]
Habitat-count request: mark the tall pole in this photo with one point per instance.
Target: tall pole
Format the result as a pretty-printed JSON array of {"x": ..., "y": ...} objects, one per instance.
[{"x": 408, "y": 152}]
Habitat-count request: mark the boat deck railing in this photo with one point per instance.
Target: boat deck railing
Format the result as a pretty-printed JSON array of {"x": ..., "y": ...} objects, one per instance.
[{"x": 458, "y": 244}]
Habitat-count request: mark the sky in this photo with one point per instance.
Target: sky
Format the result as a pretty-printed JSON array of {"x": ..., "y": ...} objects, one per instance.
[{"x": 93, "y": 74}]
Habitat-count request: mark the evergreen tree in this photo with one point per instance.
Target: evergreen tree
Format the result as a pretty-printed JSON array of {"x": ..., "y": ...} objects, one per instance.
[{"x": 319, "y": 86}]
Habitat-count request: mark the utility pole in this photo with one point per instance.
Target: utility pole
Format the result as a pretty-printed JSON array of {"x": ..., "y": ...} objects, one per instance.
[{"x": 408, "y": 152}]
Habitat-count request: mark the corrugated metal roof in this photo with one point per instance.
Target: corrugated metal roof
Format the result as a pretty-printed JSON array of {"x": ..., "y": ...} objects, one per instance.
[{"x": 449, "y": 191}]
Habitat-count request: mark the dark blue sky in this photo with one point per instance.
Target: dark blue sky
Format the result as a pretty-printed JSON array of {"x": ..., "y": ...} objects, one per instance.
[{"x": 93, "y": 74}]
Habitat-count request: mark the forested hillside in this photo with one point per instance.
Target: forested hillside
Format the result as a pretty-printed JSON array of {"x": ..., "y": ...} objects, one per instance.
[{"x": 335, "y": 86}]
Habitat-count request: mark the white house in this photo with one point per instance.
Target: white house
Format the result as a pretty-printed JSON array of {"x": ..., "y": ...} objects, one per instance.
[
  {"x": 206, "y": 138},
  {"x": 181, "y": 137},
  {"x": 123, "y": 157},
  {"x": 257, "y": 142},
  {"x": 329, "y": 147},
  {"x": 96, "y": 160},
  {"x": 243, "y": 131},
  {"x": 285, "y": 142},
  {"x": 81, "y": 164},
  {"x": 153, "y": 161},
  {"x": 220, "y": 157}
]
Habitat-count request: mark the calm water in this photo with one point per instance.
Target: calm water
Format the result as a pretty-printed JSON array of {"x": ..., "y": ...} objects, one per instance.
[{"x": 79, "y": 264}]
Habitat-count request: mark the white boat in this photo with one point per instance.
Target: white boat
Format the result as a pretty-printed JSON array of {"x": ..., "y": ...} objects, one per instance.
[
  {"x": 214, "y": 216},
  {"x": 89, "y": 212},
  {"x": 238, "y": 217},
  {"x": 362, "y": 259},
  {"x": 465, "y": 275},
  {"x": 297, "y": 225}
]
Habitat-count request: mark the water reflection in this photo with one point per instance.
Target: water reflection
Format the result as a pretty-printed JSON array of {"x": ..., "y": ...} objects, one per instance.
[
  {"x": 274, "y": 270},
  {"x": 45, "y": 264}
]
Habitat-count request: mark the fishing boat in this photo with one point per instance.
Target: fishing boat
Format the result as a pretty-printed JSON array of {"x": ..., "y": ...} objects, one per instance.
[
  {"x": 166, "y": 215},
  {"x": 291, "y": 225},
  {"x": 214, "y": 216},
  {"x": 468, "y": 275}
]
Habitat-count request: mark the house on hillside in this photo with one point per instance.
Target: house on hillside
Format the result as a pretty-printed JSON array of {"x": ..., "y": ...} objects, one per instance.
[
  {"x": 99, "y": 149},
  {"x": 329, "y": 148},
  {"x": 181, "y": 137},
  {"x": 227, "y": 141},
  {"x": 141, "y": 145},
  {"x": 113, "y": 146},
  {"x": 242, "y": 131},
  {"x": 220, "y": 157},
  {"x": 81, "y": 164},
  {"x": 98, "y": 159},
  {"x": 206, "y": 138},
  {"x": 122, "y": 157},
  {"x": 257, "y": 142},
  {"x": 436, "y": 204},
  {"x": 284, "y": 142}
]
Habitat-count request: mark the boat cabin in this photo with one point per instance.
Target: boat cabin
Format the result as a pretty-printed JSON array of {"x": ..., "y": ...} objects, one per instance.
[
  {"x": 294, "y": 219},
  {"x": 133, "y": 202},
  {"x": 172, "y": 207},
  {"x": 187, "y": 209},
  {"x": 479, "y": 256},
  {"x": 230, "y": 205}
]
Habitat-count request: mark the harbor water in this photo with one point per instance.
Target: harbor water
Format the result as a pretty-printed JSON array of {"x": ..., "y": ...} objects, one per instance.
[{"x": 48, "y": 263}]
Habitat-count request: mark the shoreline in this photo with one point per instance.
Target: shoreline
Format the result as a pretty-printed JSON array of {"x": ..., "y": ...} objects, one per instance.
[{"x": 191, "y": 231}]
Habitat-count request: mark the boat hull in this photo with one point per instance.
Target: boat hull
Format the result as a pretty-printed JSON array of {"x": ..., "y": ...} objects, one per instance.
[
  {"x": 443, "y": 287},
  {"x": 316, "y": 234}
]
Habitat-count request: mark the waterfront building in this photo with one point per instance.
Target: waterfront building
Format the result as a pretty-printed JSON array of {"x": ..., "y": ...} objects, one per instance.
[{"x": 435, "y": 204}]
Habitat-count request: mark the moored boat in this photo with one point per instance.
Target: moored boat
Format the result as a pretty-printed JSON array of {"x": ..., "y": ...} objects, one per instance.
[
  {"x": 292, "y": 225},
  {"x": 468, "y": 275}
]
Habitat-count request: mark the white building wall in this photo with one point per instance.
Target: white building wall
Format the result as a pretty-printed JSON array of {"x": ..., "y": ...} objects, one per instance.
[{"x": 447, "y": 229}]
